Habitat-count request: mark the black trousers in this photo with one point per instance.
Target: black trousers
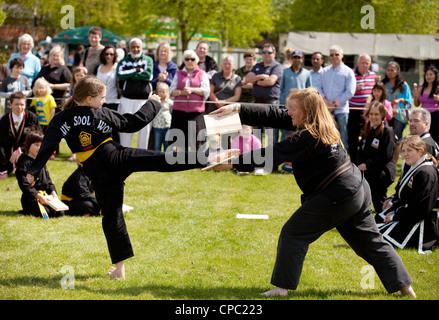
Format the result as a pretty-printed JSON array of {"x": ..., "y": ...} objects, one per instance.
[
  {"x": 108, "y": 168},
  {"x": 355, "y": 223}
]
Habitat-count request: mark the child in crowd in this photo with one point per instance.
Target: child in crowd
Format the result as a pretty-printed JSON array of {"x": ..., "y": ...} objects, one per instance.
[
  {"x": 13, "y": 129},
  {"x": 77, "y": 74},
  {"x": 15, "y": 82},
  {"x": 247, "y": 141},
  {"x": 379, "y": 94},
  {"x": 43, "y": 102},
  {"x": 35, "y": 197},
  {"x": 162, "y": 122},
  {"x": 78, "y": 194}
]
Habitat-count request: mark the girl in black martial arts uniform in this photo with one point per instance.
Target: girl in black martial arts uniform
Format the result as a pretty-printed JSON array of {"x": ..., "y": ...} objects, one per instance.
[
  {"x": 87, "y": 129},
  {"x": 335, "y": 193}
]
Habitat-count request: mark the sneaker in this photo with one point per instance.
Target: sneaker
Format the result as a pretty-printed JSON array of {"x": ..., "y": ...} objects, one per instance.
[
  {"x": 259, "y": 172},
  {"x": 3, "y": 175}
]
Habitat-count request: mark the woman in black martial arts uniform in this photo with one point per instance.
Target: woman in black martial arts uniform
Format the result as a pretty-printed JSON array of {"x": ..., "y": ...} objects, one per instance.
[
  {"x": 87, "y": 129},
  {"x": 409, "y": 221},
  {"x": 335, "y": 192}
]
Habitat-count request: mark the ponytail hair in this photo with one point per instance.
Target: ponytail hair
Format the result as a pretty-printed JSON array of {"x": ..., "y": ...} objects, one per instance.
[{"x": 89, "y": 86}]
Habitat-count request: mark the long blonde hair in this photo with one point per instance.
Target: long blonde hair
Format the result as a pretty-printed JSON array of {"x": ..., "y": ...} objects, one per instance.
[{"x": 315, "y": 115}]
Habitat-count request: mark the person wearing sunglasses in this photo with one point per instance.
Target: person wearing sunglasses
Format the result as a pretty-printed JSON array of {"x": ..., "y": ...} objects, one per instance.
[
  {"x": 266, "y": 77},
  {"x": 337, "y": 85},
  {"x": 106, "y": 71},
  {"x": 189, "y": 88}
]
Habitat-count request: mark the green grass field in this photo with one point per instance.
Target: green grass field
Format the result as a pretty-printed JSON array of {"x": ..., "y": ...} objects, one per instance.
[{"x": 188, "y": 245}]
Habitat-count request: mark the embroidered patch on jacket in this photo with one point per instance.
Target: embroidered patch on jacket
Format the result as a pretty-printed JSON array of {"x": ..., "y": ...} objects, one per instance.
[
  {"x": 375, "y": 143},
  {"x": 85, "y": 139}
]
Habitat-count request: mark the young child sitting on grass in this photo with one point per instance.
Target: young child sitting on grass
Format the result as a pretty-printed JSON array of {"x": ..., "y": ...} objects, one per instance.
[{"x": 34, "y": 199}]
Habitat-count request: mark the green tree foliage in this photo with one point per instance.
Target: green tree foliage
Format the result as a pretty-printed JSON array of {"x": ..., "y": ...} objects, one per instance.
[
  {"x": 237, "y": 22},
  {"x": 390, "y": 16}
]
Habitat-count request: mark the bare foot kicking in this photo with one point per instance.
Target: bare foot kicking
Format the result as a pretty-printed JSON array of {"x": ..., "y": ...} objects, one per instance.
[
  {"x": 408, "y": 291},
  {"x": 116, "y": 274},
  {"x": 277, "y": 291}
]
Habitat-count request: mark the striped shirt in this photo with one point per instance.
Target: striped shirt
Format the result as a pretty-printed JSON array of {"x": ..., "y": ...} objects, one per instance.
[{"x": 360, "y": 97}]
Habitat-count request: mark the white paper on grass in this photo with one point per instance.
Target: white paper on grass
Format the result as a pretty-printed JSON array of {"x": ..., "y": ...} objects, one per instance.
[
  {"x": 222, "y": 125},
  {"x": 252, "y": 216}
]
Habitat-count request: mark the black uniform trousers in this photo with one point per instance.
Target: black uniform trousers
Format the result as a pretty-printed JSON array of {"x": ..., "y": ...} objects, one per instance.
[
  {"x": 108, "y": 168},
  {"x": 355, "y": 223}
]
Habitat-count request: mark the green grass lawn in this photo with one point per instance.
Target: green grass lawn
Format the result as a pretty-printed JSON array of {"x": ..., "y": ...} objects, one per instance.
[{"x": 188, "y": 245}]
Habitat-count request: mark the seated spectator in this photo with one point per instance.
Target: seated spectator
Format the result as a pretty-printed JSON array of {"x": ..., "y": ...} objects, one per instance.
[
  {"x": 13, "y": 129},
  {"x": 35, "y": 197},
  {"x": 408, "y": 219},
  {"x": 246, "y": 140},
  {"x": 78, "y": 194}
]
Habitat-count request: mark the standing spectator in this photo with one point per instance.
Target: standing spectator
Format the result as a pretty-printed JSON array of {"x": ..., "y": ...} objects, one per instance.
[
  {"x": 15, "y": 82},
  {"x": 13, "y": 129},
  {"x": 293, "y": 77},
  {"x": 420, "y": 120},
  {"x": 266, "y": 77},
  {"x": 225, "y": 87},
  {"x": 135, "y": 74},
  {"x": 427, "y": 95},
  {"x": 90, "y": 59},
  {"x": 106, "y": 71},
  {"x": 32, "y": 64},
  {"x": 164, "y": 67},
  {"x": 365, "y": 80},
  {"x": 337, "y": 86},
  {"x": 249, "y": 62},
  {"x": 318, "y": 63},
  {"x": 79, "y": 53},
  {"x": 375, "y": 156},
  {"x": 43, "y": 102},
  {"x": 190, "y": 88},
  {"x": 398, "y": 93},
  {"x": 206, "y": 62},
  {"x": 35, "y": 197},
  {"x": 162, "y": 121},
  {"x": 121, "y": 49},
  {"x": 57, "y": 74}
]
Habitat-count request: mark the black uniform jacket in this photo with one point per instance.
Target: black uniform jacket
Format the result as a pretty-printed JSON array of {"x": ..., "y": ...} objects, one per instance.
[
  {"x": 85, "y": 129},
  {"x": 312, "y": 161},
  {"x": 413, "y": 202},
  {"x": 43, "y": 182},
  {"x": 378, "y": 152}
]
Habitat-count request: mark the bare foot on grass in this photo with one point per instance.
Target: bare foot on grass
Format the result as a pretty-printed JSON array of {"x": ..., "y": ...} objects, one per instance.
[
  {"x": 117, "y": 272},
  {"x": 276, "y": 292}
]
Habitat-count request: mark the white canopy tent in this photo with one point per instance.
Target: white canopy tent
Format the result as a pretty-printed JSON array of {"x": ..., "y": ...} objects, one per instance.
[{"x": 411, "y": 46}]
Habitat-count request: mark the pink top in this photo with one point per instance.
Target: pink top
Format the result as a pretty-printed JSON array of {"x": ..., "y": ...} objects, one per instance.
[
  {"x": 245, "y": 145},
  {"x": 428, "y": 103}
]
